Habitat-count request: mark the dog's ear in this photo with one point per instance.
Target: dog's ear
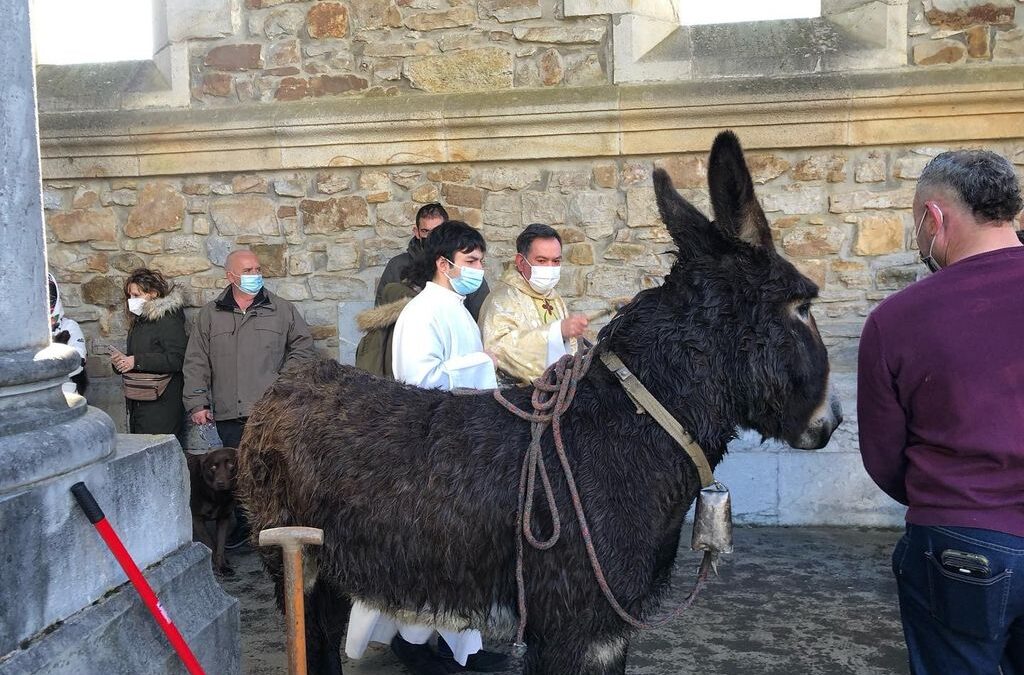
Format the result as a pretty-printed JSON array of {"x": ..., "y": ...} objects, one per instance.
[{"x": 194, "y": 463}]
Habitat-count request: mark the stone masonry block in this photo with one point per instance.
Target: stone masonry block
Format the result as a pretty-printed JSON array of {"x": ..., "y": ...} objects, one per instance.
[
  {"x": 879, "y": 234},
  {"x": 795, "y": 199},
  {"x": 83, "y": 225},
  {"x": 958, "y": 15},
  {"x": 451, "y": 18},
  {"x": 192, "y": 19},
  {"x": 327, "y": 20},
  {"x": 765, "y": 167},
  {"x": 939, "y": 52},
  {"x": 862, "y": 200},
  {"x": 332, "y": 215},
  {"x": 753, "y": 481},
  {"x": 510, "y": 11},
  {"x": 686, "y": 171},
  {"x": 159, "y": 208},
  {"x": 870, "y": 170},
  {"x": 483, "y": 69},
  {"x": 813, "y": 241},
  {"x": 244, "y": 214},
  {"x": 235, "y": 57},
  {"x": 810, "y": 481}
]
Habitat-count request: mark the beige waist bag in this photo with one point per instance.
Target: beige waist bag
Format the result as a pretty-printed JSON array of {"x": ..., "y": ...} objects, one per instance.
[{"x": 145, "y": 386}]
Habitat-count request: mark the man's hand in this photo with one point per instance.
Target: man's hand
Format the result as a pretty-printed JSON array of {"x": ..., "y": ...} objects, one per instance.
[
  {"x": 202, "y": 416},
  {"x": 573, "y": 326}
]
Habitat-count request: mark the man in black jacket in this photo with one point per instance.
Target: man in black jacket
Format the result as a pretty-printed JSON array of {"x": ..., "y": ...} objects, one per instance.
[{"x": 427, "y": 218}]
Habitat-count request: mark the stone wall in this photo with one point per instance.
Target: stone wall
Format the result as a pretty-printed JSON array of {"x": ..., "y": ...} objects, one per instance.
[
  {"x": 841, "y": 215},
  {"x": 958, "y": 31},
  {"x": 283, "y": 51}
]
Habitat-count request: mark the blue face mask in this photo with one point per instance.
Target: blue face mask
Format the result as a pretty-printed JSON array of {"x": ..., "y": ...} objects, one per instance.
[
  {"x": 468, "y": 281},
  {"x": 250, "y": 283}
]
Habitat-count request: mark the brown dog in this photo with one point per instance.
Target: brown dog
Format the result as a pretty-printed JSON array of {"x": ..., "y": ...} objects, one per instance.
[{"x": 213, "y": 498}]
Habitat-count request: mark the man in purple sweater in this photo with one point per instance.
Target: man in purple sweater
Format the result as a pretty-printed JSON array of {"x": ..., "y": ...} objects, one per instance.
[{"x": 940, "y": 402}]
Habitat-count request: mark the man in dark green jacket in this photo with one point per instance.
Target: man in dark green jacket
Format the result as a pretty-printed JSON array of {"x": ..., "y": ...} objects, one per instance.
[{"x": 427, "y": 218}]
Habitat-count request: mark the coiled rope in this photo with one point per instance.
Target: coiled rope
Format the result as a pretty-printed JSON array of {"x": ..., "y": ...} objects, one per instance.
[{"x": 553, "y": 394}]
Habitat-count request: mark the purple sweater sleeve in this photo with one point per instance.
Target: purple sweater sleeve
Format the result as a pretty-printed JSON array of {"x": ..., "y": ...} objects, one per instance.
[{"x": 881, "y": 419}]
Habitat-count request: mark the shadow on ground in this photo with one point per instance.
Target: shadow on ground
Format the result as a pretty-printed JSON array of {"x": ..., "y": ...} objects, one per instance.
[{"x": 789, "y": 601}]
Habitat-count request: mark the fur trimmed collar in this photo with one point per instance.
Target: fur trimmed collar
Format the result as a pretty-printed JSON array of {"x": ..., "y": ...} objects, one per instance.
[
  {"x": 157, "y": 308},
  {"x": 381, "y": 317}
]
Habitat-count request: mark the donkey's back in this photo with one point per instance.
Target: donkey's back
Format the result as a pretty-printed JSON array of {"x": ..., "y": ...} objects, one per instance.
[{"x": 415, "y": 489}]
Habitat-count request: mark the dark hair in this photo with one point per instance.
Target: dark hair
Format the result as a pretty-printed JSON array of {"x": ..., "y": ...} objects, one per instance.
[
  {"x": 148, "y": 281},
  {"x": 51, "y": 286},
  {"x": 443, "y": 241},
  {"x": 535, "y": 231},
  {"x": 984, "y": 181},
  {"x": 432, "y": 210}
]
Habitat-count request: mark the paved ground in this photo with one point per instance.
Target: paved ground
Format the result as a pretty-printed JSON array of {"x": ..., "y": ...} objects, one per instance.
[{"x": 788, "y": 601}]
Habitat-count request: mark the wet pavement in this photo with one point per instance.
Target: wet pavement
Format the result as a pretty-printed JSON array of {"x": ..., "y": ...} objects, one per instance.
[{"x": 789, "y": 601}]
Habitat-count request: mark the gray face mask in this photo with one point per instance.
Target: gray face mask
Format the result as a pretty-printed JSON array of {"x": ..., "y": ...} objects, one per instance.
[{"x": 929, "y": 260}]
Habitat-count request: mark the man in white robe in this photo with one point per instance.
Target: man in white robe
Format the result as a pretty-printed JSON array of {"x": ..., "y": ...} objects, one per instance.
[
  {"x": 524, "y": 321},
  {"x": 436, "y": 345}
]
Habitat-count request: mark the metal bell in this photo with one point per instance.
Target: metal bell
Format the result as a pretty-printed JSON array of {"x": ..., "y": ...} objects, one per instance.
[{"x": 712, "y": 520}]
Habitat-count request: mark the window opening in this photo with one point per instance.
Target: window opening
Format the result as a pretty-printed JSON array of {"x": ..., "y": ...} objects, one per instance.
[
  {"x": 91, "y": 31},
  {"x": 702, "y": 12}
]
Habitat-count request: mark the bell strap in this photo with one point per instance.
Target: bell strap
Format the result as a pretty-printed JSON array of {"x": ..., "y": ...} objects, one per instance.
[{"x": 645, "y": 402}]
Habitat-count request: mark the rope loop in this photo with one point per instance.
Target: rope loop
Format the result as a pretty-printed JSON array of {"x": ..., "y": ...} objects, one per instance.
[{"x": 553, "y": 394}]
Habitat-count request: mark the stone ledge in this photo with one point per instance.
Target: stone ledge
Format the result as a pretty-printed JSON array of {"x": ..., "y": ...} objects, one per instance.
[
  {"x": 144, "y": 483},
  {"x": 823, "y": 110},
  {"x": 118, "y": 635}
]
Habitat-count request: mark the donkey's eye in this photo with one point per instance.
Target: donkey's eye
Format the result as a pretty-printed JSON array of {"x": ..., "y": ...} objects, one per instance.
[{"x": 804, "y": 310}]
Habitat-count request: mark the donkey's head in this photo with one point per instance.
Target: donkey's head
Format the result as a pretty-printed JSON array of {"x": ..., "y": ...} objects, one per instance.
[{"x": 731, "y": 332}]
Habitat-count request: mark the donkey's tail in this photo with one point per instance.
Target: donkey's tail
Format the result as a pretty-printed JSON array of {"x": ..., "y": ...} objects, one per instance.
[{"x": 264, "y": 478}]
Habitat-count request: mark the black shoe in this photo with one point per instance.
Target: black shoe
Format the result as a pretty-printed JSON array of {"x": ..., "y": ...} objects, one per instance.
[
  {"x": 239, "y": 536},
  {"x": 481, "y": 662},
  {"x": 418, "y": 659}
]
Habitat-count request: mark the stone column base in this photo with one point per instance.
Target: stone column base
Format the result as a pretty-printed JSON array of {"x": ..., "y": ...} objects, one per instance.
[{"x": 117, "y": 635}]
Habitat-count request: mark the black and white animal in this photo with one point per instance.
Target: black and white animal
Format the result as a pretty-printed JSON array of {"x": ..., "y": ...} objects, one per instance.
[
  {"x": 416, "y": 490},
  {"x": 67, "y": 331}
]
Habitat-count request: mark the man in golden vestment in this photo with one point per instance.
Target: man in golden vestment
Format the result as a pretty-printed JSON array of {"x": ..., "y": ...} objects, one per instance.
[{"x": 524, "y": 322}]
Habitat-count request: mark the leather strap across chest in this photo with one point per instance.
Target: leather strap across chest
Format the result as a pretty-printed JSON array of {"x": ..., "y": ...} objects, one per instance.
[{"x": 645, "y": 402}]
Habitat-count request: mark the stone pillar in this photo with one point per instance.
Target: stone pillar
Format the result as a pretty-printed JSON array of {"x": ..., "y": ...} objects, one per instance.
[
  {"x": 64, "y": 607},
  {"x": 32, "y": 447}
]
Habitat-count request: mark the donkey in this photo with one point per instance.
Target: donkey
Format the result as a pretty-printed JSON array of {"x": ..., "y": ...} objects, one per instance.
[{"x": 416, "y": 490}]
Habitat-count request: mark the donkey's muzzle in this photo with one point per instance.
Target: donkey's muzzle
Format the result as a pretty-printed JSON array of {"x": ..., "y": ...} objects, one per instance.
[{"x": 825, "y": 420}]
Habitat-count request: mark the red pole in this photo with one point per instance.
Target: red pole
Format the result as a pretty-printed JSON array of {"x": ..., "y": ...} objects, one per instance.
[{"x": 96, "y": 517}]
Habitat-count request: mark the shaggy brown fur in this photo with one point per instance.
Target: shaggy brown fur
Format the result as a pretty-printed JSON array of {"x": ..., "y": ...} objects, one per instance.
[{"x": 416, "y": 490}]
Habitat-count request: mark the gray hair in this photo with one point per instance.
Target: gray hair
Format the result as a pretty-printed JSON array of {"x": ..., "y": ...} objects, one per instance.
[{"x": 984, "y": 181}]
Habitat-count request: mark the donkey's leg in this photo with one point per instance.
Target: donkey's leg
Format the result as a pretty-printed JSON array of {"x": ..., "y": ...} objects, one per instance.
[
  {"x": 608, "y": 656},
  {"x": 327, "y": 611},
  {"x": 570, "y": 653}
]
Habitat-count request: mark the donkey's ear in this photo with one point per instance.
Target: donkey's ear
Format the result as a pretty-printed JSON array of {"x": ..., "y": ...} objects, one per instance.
[
  {"x": 737, "y": 211},
  {"x": 688, "y": 226}
]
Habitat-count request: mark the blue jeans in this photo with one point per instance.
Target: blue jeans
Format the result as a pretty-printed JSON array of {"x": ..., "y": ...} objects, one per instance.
[{"x": 956, "y": 623}]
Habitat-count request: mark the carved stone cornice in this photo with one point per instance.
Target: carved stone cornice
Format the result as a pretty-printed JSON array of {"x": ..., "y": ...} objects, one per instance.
[{"x": 895, "y": 107}]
